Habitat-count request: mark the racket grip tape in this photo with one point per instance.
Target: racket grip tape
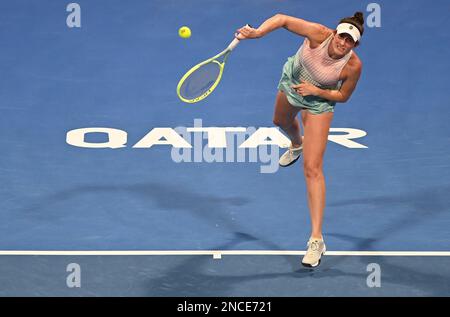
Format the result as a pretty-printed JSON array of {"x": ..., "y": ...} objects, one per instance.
[{"x": 236, "y": 41}]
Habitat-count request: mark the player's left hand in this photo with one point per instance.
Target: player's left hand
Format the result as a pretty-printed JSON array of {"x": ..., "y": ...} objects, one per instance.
[{"x": 306, "y": 89}]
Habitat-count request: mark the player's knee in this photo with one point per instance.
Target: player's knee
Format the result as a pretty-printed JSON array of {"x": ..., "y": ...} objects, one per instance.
[
  {"x": 279, "y": 122},
  {"x": 312, "y": 170},
  {"x": 276, "y": 121}
]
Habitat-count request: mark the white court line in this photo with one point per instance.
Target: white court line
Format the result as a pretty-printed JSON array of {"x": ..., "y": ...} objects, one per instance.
[{"x": 218, "y": 253}]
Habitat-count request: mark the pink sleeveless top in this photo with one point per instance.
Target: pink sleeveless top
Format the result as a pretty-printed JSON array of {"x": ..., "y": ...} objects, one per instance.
[{"x": 317, "y": 67}]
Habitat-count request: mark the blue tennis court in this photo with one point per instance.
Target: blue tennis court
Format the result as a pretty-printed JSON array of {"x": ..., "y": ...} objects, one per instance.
[{"x": 85, "y": 173}]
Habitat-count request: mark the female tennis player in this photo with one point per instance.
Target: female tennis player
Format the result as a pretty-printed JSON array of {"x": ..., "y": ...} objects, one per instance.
[{"x": 325, "y": 70}]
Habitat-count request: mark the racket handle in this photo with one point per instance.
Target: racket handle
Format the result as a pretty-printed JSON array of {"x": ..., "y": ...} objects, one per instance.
[
  {"x": 235, "y": 41},
  {"x": 233, "y": 44}
]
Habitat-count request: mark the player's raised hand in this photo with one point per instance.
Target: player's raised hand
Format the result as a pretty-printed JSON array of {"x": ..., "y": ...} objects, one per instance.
[{"x": 247, "y": 32}]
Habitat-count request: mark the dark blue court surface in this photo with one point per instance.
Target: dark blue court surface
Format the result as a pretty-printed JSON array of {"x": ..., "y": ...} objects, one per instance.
[
  {"x": 387, "y": 191},
  {"x": 231, "y": 276}
]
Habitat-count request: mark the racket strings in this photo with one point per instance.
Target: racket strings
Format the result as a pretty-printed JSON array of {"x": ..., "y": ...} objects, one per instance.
[{"x": 200, "y": 81}]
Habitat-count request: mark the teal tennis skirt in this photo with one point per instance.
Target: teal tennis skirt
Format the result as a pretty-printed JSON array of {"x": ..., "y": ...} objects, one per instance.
[{"x": 313, "y": 104}]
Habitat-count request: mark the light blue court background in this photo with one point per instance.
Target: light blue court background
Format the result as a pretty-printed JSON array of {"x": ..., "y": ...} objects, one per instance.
[{"x": 120, "y": 70}]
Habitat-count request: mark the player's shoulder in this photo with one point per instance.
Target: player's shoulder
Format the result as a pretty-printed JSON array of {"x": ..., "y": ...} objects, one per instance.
[
  {"x": 353, "y": 68},
  {"x": 320, "y": 34},
  {"x": 355, "y": 62},
  {"x": 323, "y": 30}
]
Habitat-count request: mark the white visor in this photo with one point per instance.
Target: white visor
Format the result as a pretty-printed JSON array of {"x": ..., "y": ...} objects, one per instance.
[{"x": 349, "y": 29}]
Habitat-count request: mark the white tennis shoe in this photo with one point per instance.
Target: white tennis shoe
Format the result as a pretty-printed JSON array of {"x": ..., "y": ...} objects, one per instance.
[
  {"x": 316, "y": 248},
  {"x": 290, "y": 156}
]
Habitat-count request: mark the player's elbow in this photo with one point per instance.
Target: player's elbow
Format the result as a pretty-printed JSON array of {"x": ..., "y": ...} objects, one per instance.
[
  {"x": 280, "y": 19},
  {"x": 344, "y": 98}
]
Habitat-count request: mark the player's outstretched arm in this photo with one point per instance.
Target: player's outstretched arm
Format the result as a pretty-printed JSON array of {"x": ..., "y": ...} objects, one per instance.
[{"x": 313, "y": 31}]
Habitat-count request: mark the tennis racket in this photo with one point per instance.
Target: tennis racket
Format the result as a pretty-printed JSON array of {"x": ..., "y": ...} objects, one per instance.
[{"x": 201, "y": 80}]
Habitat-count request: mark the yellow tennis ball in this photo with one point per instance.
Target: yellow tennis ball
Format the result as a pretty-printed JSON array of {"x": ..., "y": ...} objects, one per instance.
[{"x": 184, "y": 32}]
